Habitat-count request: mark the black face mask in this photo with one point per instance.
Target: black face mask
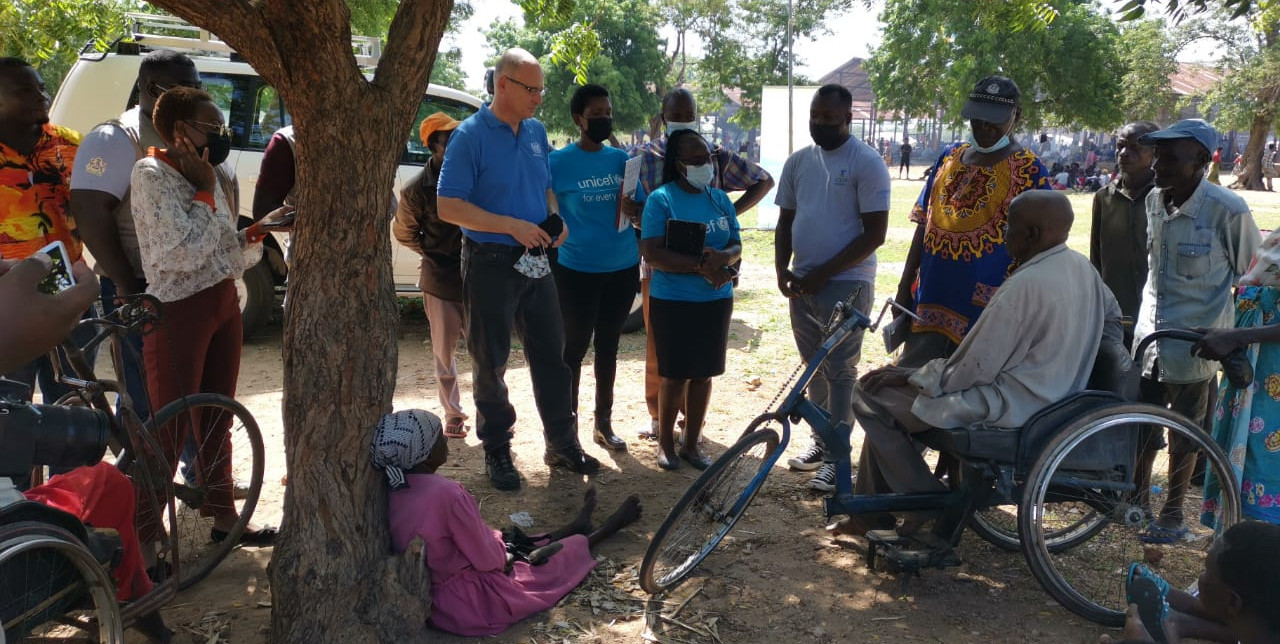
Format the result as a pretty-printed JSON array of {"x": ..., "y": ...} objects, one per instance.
[
  {"x": 599, "y": 128},
  {"x": 219, "y": 147},
  {"x": 828, "y": 137}
]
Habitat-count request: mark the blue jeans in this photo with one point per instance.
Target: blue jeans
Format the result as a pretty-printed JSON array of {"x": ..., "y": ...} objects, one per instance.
[
  {"x": 832, "y": 385},
  {"x": 499, "y": 300}
]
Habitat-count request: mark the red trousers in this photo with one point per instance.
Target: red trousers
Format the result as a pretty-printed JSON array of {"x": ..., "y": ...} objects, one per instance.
[
  {"x": 196, "y": 349},
  {"x": 102, "y": 497}
]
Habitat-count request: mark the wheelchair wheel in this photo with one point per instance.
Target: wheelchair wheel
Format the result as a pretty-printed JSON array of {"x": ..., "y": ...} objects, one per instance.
[
  {"x": 54, "y": 588},
  {"x": 1092, "y": 462},
  {"x": 998, "y": 525},
  {"x": 708, "y": 510},
  {"x": 227, "y": 440}
]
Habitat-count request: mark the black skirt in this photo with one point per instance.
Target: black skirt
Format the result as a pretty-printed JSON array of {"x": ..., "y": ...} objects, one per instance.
[{"x": 690, "y": 338}]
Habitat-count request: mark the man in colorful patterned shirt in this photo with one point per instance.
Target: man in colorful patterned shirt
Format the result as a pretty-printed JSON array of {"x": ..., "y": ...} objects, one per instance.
[
  {"x": 35, "y": 177},
  {"x": 734, "y": 173}
]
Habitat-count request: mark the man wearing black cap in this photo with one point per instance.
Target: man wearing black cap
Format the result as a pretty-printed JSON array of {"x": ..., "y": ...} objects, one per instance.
[
  {"x": 1201, "y": 238},
  {"x": 958, "y": 257}
]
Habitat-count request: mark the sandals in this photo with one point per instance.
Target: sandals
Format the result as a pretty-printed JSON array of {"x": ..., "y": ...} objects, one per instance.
[
  {"x": 455, "y": 428},
  {"x": 1158, "y": 534},
  {"x": 260, "y": 537},
  {"x": 1150, "y": 593}
]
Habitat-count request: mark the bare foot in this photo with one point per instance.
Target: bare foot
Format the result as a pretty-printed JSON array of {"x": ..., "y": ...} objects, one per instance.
[
  {"x": 627, "y": 513},
  {"x": 582, "y": 523}
]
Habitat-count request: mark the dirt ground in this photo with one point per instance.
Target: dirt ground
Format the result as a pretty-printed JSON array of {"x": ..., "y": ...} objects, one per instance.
[{"x": 777, "y": 578}]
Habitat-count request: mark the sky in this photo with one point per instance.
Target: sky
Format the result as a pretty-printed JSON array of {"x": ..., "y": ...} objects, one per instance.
[{"x": 853, "y": 34}]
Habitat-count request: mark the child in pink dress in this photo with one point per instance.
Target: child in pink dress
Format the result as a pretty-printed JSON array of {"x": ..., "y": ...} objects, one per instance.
[{"x": 476, "y": 587}]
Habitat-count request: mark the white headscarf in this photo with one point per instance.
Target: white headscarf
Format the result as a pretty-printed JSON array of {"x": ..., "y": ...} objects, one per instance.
[{"x": 402, "y": 440}]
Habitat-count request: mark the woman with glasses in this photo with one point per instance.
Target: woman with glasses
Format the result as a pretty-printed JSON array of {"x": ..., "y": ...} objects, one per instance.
[{"x": 184, "y": 208}]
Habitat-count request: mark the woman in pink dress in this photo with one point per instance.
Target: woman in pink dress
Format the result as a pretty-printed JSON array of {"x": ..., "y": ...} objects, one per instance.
[{"x": 477, "y": 588}]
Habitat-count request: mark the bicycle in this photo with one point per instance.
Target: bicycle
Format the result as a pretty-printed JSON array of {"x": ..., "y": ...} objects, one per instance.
[
  {"x": 1071, "y": 471},
  {"x": 206, "y": 416}
]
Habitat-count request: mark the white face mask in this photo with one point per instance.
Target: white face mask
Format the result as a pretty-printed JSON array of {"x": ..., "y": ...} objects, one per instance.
[
  {"x": 700, "y": 176},
  {"x": 672, "y": 126}
]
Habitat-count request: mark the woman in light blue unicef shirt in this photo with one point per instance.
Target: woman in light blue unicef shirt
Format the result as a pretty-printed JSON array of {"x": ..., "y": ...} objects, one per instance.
[
  {"x": 691, "y": 295},
  {"x": 597, "y": 271}
]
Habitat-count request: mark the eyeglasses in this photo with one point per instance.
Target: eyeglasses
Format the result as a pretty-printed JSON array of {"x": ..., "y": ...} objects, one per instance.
[
  {"x": 165, "y": 88},
  {"x": 215, "y": 129},
  {"x": 533, "y": 91}
]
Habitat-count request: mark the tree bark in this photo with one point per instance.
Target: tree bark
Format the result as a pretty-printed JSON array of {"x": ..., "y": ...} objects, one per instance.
[{"x": 333, "y": 579}]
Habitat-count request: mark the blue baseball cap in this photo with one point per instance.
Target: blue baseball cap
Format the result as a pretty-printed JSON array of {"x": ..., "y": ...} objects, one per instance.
[{"x": 1197, "y": 129}]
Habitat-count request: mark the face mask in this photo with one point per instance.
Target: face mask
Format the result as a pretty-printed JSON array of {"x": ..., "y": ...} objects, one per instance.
[
  {"x": 673, "y": 126},
  {"x": 700, "y": 176},
  {"x": 828, "y": 137},
  {"x": 999, "y": 145},
  {"x": 600, "y": 128},
  {"x": 219, "y": 147}
]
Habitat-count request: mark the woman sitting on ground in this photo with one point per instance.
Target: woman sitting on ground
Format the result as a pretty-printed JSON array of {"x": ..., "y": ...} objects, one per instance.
[{"x": 476, "y": 587}]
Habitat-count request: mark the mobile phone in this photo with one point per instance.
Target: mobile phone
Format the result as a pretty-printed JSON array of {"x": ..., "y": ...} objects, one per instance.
[
  {"x": 59, "y": 278},
  {"x": 287, "y": 220}
]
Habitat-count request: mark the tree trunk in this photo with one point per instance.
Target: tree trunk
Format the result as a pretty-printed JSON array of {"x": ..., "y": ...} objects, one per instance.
[
  {"x": 1251, "y": 178},
  {"x": 332, "y": 573}
]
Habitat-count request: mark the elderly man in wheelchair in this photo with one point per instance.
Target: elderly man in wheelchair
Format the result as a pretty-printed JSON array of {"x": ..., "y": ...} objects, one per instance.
[{"x": 1032, "y": 410}]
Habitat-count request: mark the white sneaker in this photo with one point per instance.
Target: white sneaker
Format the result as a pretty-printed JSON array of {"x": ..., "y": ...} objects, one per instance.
[
  {"x": 825, "y": 479},
  {"x": 809, "y": 461}
]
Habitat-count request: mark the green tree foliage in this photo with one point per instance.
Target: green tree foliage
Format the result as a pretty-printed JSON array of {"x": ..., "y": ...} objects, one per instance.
[
  {"x": 1179, "y": 9},
  {"x": 50, "y": 33},
  {"x": 1147, "y": 56},
  {"x": 629, "y": 61},
  {"x": 1064, "y": 61}
]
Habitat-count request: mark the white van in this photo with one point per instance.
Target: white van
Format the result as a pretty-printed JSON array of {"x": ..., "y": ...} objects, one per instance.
[{"x": 102, "y": 85}]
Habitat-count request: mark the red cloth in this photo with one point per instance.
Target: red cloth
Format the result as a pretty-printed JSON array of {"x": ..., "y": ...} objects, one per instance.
[{"x": 102, "y": 497}]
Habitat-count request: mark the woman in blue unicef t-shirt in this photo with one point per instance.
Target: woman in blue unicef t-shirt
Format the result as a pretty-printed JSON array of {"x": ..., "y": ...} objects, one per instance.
[
  {"x": 691, "y": 295},
  {"x": 597, "y": 270}
]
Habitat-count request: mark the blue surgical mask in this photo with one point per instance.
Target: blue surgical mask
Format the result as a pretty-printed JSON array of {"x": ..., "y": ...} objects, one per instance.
[
  {"x": 674, "y": 126},
  {"x": 999, "y": 145},
  {"x": 700, "y": 176}
]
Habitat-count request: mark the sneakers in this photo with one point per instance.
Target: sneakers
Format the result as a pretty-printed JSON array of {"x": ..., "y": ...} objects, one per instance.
[
  {"x": 502, "y": 472},
  {"x": 809, "y": 461},
  {"x": 825, "y": 479}
]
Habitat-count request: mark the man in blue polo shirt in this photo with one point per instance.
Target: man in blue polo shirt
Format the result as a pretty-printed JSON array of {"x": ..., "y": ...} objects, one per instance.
[{"x": 496, "y": 185}]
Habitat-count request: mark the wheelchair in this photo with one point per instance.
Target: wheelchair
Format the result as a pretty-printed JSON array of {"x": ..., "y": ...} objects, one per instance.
[{"x": 1066, "y": 489}]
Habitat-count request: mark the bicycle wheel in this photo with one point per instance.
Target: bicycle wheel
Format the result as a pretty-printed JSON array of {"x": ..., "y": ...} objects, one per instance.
[
  {"x": 708, "y": 510},
  {"x": 46, "y": 577},
  {"x": 229, "y": 465},
  {"x": 1092, "y": 462}
]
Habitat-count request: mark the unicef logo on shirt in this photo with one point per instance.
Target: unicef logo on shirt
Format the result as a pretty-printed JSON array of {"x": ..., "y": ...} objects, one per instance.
[{"x": 536, "y": 147}]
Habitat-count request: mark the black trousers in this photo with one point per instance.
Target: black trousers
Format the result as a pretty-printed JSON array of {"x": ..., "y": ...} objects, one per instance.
[
  {"x": 595, "y": 305},
  {"x": 500, "y": 300}
]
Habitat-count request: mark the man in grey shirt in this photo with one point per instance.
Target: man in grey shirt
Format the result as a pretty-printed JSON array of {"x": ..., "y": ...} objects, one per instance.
[
  {"x": 834, "y": 202},
  {"x": 1034, "y": 345},
  {"x": 1201, "y": 238}
]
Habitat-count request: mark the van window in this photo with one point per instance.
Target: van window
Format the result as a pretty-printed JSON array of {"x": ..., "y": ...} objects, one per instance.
[
  {"x": 415, "y": 149},
  {"x": 252, "y": 108}
]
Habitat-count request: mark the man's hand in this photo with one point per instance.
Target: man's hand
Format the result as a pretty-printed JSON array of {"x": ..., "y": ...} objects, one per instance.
[
  {"x": 632, "y": 210},
  {"x": 786, "y": 279},
  {"x": 1216, "y": 343},
  {"x": 886, "y": 376},
  {"x": 809, "y": 284},
  {"x": 31, "y": 322},
  {"x": 528, "y": 234}
]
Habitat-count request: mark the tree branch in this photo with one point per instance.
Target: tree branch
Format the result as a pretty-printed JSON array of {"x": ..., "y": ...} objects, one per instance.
[{"x": 417, "y": 27}]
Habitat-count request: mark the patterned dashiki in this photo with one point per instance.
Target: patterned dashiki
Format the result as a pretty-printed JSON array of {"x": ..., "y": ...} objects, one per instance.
[
  {"x": 964, "y": 261},
  {"x": 35, "y": 190},
  {"x": 1246, "y": 423}
]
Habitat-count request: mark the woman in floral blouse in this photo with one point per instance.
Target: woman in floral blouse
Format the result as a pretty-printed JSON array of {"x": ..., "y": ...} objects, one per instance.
[{"x": 184, "y": 207}]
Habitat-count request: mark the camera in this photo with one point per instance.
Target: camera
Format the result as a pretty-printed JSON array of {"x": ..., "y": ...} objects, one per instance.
[{"x": 56, "y": 435}]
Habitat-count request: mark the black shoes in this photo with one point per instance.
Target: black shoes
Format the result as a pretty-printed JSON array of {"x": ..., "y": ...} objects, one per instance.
[
  {"x": 605, "y": 437},
  {"x": 573, "y": 459},
  {"x": 502, "y": 472}
]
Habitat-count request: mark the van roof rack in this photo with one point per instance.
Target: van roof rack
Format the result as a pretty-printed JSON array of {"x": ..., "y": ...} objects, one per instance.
[{"x": 163, "y": 31}]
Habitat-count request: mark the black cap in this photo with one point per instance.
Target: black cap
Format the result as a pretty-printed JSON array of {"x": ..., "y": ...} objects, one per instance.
[{"x": 993, "y": 100}]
